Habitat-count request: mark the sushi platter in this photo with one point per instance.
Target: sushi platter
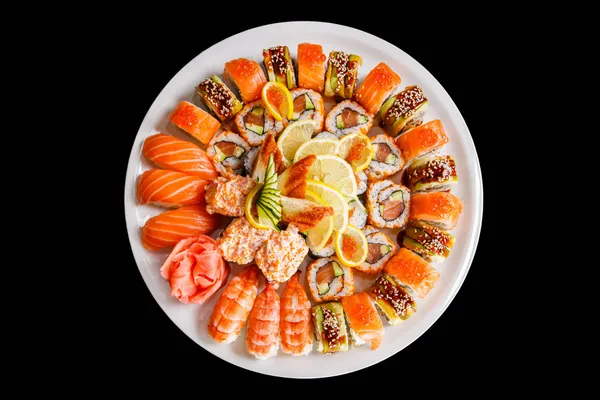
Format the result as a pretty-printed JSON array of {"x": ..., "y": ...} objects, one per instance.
[{"x": 303, "y": 200}]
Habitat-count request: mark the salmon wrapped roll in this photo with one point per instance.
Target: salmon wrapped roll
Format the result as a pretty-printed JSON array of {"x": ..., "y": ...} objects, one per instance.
[
  {"x": 377, "y": 86},
  {"x": 440, "y": 209},
  {"x": 279, "y": 65},
  {"x": 329, "y": 279},
  {"x": 311, "y": 66},
  {"x": 195, "y": 269},
  {"x": 247, "y": 76},
  {"x": 412, "y": 271},
  {"x": 404, "y": 110},
  {"x": 392, "y": 299},
  {"x": 422, "y": 140},
  {"x": 218, "y": 98},
  {"x": 363, "y": 322},
  {"x": 388, "y": 204},
  {"x": 428, "y": 241},
  {"x": 195, "y": 121}
]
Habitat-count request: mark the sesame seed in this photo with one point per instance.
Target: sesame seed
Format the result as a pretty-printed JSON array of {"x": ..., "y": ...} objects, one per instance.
[{"x": 406, "y": 103}]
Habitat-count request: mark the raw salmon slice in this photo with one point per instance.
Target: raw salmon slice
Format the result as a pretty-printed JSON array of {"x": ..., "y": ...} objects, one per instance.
[
  {"x": 311, "y": 66},
  {"x": 248, "y": 76},
  {"x": 195, "y": 121},
  {"x": 170, "y": 188},
  {"x": 377, "y": 86}
]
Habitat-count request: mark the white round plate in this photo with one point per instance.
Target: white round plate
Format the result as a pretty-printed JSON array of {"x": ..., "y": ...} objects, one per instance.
[{"x": 192, "y": 319}]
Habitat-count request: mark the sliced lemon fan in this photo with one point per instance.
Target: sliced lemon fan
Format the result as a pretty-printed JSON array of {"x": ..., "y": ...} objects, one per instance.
[
  {"x": 293, "y": 137},
  {"x": 335, "y": 172},
  {"x": 317, "y": 147},
  {"x": 357, "y": 150},
  {"x": 277, "y": 100},
  {"x": 351, "y": 246},
  {"x": 333, "y": 198},
  {"x": 317, "y": 237}
]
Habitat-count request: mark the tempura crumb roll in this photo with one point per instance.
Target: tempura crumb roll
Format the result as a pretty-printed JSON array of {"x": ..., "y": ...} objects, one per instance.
[{"x": 330, "y": 329}]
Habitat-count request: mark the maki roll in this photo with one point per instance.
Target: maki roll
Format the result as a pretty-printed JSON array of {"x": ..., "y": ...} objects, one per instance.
[
  {"x": 422, "y": 140},
  {"x": 432, "y": 174},
  {"x": 357, "y": 213},
  {"x": 254, "y": 123},
  {"x": 279, "y": 65},
  {"x": 327, "y": 251},
  {"x": 428, "y": 241},
  {"x": 377, "y": 86},
  {"x": 362, "y": 318},
  {"x": 341, "y": 75},
  {"x": 247, "y": 76},
  {"x": 325, "y": 135},
  {"x": 329, "y": 324},
  {"x": 329, "y": 279},
  {"x": 361, "y": 182},
  {"x": 311, "y": 66},
  {"x": 348, "y": 117},
  {"x": 392, "y": 299},
  {"x": 308, "y": 104},
  {"x": 195, "y": 121},
  {"x": 404, "y": 110},
  {"x": 250, "y": 160},
  {"x": 412, "y": 271},
  {"x": 387, "y": 159},
  {"x": 227, "y": 151},
  {"x": 440, "y": 209},
  {"x": 381, "y": 249},
  {"x": 217, "y": 97},
  {"x": 388, "y": 204}
]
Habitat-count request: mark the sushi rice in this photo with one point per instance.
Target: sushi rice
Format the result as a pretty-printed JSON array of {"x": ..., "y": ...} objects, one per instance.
[
  {"x": 387, "y": 159},
  {"x": 361, "y": 182},
  {"x": 249, "y": 120},
  {"x": 326, "y": 135},
  {"x": 360, "y": 119},
  {"x": 357, "y": 213},
  {"x": 228, "y": 150},
  {"x": 250, "y": 160},
  {"x": 385, "y": 198}
]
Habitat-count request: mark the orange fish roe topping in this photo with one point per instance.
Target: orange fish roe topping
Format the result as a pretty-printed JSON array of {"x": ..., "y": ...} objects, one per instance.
[
  {"x": 349, "y": 247},
  {"x": 185, "y": 116},
  {"x": 275, "y": 97},
  {"x": 311, "y": 54},
  {"x": 246, "y": 67},
  {"x": 355, "y": 152}
]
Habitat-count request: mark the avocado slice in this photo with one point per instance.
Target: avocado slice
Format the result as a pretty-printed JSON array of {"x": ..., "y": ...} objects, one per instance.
[
  {"x": 337, "y": 270},
  {"x": 386, "y": 106},
  {"x": 309, "y": 104},
  {"x": 391, "y": 159},
  {"x": 334, "y": 80},
  {"x": 339, "y": 122},
  {"x": 385, "y": 248},
  {"x": 290, "y": 76},
  {"x": 413, "y": 245},
  {"x": 318, "y": 313},
  {"x": 258, "y": 129},
  {"x": 216, "y": 79},
  {"x": 323, "y": 288},
  {"x": 221, "y": 155},
  {"x": 397, "y": 195}
]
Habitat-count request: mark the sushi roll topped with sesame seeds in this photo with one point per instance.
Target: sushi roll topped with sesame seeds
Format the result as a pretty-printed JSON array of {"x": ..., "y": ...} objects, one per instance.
[{"x": 218, "y": 98}]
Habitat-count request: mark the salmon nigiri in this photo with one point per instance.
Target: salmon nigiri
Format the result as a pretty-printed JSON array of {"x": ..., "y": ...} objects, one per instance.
[
  {"x": 295, "y": 327},
  {"x": 170, "y": 188},
  {"x": 262, "y": 336},
  {"x": 248, "y": 76},
  {"x": 376, "y": 87},
  {"x": 233, "y": 307},
  {"x": 422, "y": 140},
  {"x": 440, "y": 209},
  {"x": 363, "y": 320},
  {"x": 311, "y": 66},
  {"x": 169, "y": 152},
  {"x": 413, "y": 271},
  {"x": 168, "y": 228},
  {"x": 195, "y": 121}
]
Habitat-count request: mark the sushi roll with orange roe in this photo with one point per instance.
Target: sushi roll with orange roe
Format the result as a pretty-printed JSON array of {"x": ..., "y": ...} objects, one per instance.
[
  {"x": 311, "y": 66},
  {"x": 377, "y": 86},
  {"x": 247, "y": 76},
  {"x": 195, "y": 121}
]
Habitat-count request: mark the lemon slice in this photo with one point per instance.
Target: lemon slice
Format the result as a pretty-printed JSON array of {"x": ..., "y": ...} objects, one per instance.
[
  {"x": 277, "y": 100},
  {"x": 336, "y": 172},
  {"x": 333, "y": 198},
  {"x": 357, "y": 150},
  {"x": 250, "y": 208},
  {"x": 351, "y": 246},
  {"x": 317, "y": 147},
  {"x": 317, "y": 237},
  {"x": 294, "y": 136}
]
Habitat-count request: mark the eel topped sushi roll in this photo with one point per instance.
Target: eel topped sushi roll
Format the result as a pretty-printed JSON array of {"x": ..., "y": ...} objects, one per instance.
[
  {"x": 387, "y": 159},
  {"x": 311, "y": 66},
  {"x": 377, "y": 86},
  {"x": 422, "y": 140},
  {"x": 329, "y": 324},
  {"x": 308, "y": 104},
  {"x": 432, "y": 174},
  {"x": 341, "y": 76},
  {"x": 195, "y": 121},
  {"x": 363, "y": 322},
  {"x": 412, "y": 271},
  {"x": 381, "y": 249},
  {"x": 388, "y": 204},
  {"x": 217, "y": 97},
  {"x": 254, "y": 123},
  {"x": 247, "y": 76},
  {"x": 392, "y": 299},
  {"x": 440, "y": 209},
  {"x": 348, "y": 117},
  {"x": 227, "y": 151},
  {"x": 428, "y": 241},
  {"x": 329, "y": 279},
  {"x": 404, "y": 110},
  {"x": 279, "y": 65}
]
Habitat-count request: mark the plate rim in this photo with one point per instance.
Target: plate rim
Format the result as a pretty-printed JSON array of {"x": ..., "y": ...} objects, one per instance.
[{"x": 132, "y": 165}]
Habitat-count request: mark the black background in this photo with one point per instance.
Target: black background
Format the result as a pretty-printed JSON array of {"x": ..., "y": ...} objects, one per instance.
[{"x": 461, "y": 345}]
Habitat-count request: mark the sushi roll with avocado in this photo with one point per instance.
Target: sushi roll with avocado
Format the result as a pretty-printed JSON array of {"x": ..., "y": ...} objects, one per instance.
[
  {"x": 428, "y": 241},
  {"x": 218, "y": 98},
  {"x": 250, "y": 160},
  {"x": 387, "y": 159},
  {"x": 330, "y": 329},
  {"x": 227, "y": 151},
  {"x": 381, "y": 249},
  {"x": 388, "y": 204},
  {"x": 279, "y": 65},
  {"x": 361, "y": 182},
  {"x": 404, "y": 110},
  {"x": 308, "y": 104},
  {"x": 325, "y": 135},
  {"x": 254, "y": 123},
  {"x": 431, "y": 174},
  {"x": 392, "y": 299},
  {"x": 329, "y": 279},
  {"x": 348, "y": 117},
  {"x": 357, "y": 213},
  {"x": 341, "y": 75}
]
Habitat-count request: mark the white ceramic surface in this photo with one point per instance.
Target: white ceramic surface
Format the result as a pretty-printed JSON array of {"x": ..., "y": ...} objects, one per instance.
[{"x": 191, "y": 319}]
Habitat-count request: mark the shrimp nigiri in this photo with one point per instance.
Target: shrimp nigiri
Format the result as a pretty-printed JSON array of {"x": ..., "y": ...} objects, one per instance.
[
  {"x": 234, "y": 305},
  {"x": 295, "y": 328},
  {"x": 262, "y": 337}
]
